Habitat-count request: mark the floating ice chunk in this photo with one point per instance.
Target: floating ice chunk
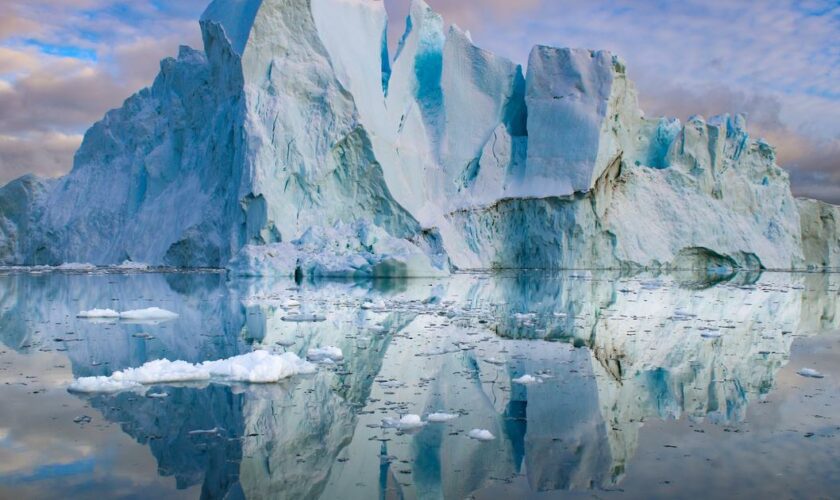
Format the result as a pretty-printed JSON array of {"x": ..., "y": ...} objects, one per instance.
[
  {"x": 369, "y": 305},
  {"x": 481, "y": 435},
  {"x": 323, "y": 354},
  {"x": 304, "y": 318},
  {"x": 561, "y": 315},
  {"x": 150, "y": 314},
  {"x": 157, "y": 395},
  {"x": 75, "y": 266},
  {"x": 810, "y": 373},
  {"x": 99, "y": 314},
  {"x": 711, "y": 334},
  {"x": 439, "y": 418},
  {"x": 133, "y": 266},
  {"x": 407, "y": 422},
  {"x": 104, "y": 385},
  {"x": 215, "y": 430},
  {"x": 258, "y": 367},
  {"x": 527, "y": 380},
  {"x": 292, "y": 303}
]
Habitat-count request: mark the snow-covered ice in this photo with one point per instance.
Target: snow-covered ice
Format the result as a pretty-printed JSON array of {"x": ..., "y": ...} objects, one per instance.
[
  {"x": 405, "y": 423},
  {"x": 526, "y": 380},
  {"x": 439, "y": 418},
  {"x": 481, "y": 435},
  {"x": 258, "y": 367},
  {"x": 810, "y": 373},
  {"x": 150, "y": 314},
  {"x": 321, "y": 354},
  {"x": 99, "y": 314}
]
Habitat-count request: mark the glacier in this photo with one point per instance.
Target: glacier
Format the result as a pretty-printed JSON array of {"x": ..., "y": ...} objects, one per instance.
[{"x": 294, "y": 144}]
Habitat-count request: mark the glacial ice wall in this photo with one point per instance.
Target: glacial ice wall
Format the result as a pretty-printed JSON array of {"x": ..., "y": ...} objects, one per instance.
[{"x": 295, "y": 132}]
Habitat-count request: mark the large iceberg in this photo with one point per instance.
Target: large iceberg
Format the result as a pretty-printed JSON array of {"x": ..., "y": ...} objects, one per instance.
[{"x": 294, "y": 144}]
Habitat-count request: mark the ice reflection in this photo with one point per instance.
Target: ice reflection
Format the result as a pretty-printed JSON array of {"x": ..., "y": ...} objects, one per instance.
[{"x": 610, "y": 353}]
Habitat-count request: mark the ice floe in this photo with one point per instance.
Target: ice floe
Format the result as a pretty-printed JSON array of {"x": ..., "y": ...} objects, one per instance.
[
  {"x": 406, "y": 423},
  {"x": 481, "y": 435},
  {"x": 439, "y": 418},
  {"x": 526, "y": 380},
  {"x": 325, "y": 354},
  {"x": 810, "y": 373},
  {"x": 258, "y": 367},
  {"x": 99, "y": 314}
]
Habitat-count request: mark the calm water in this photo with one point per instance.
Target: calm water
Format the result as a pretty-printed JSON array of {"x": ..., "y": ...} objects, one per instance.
[{"x": 650, "y": 386}]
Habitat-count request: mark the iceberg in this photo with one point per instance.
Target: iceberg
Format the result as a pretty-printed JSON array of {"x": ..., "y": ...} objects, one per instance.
[{"x": 294, "y": 144}]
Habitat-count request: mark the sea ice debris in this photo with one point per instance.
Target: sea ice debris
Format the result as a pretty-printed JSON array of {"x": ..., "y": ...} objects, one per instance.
[
  {"x": 481, "y": 435},
  {"x": 99, "y": 314},
  {"x": 810, "y": 373}
]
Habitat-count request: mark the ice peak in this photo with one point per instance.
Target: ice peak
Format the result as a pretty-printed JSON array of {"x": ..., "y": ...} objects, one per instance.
[{"x": 236, "y": 18}]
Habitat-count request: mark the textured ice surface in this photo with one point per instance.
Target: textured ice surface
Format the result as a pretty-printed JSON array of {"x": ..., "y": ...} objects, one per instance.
[
  {"x": 295, "y": 145},
  {"x": 321, "y": 354},
  {"x": 150, "y": 314},
  {"x": 258, "y": 367},
  {"x": 99, "y": 314},
  {"x": 405, "y": 423}
]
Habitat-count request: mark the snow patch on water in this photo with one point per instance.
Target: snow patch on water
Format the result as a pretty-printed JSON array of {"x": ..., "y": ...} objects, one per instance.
[
  {"x": 323, "y": 354},
  {"x": 258, "y": 367},
  {"x": 407, "y": 422},
  {"x": 99, "y": 314},
  {"x": 481, "y": 435},
  {"x": 439, "y": 418},
  {"x": 810, "y": 373},
  {"x": 527, "y": 380},
  {"x": 152, "y": 313}
]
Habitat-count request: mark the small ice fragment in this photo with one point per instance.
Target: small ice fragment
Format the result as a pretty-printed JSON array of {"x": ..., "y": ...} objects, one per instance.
[
  {"x": 525, "y": 317},
  {"x": 157, "y": 395},
  {"x": 526, "y": 380},
  {"x": 407, "y": 422},
  {"x": 214, "y": 430},
  {"x": 75, "y": 266},
  {"x": 99, "y": 314},
  {"x": 481, "y": 435},
  {"x": 133, "y": 266},
  {"x": 304, "y": 318},
  {"x": 380, "y": 304},
  {"x": 711, "y": 334},
  {"x": 560, "y": 315},
  {"x": 323, "y": 354},
  {"x": 439, "y": 418},
  {"x": 494, "y": 361},
  {"x": 810, "y": 373},
  {"x": 150, "y": 314},
  {"x": 292, "y": 303}
]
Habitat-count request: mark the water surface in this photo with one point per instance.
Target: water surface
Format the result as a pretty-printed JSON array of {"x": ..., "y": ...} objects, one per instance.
[{"x": 648, "y": 386}]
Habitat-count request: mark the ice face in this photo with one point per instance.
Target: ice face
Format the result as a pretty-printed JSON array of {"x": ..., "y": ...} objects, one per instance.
[{"x": 293, "y": 137}]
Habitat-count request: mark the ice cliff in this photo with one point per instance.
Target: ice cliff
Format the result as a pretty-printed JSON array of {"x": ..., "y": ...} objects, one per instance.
[{"x": 295, "y": 144}]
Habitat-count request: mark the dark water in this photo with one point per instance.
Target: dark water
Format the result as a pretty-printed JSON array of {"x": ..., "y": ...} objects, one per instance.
[{"x": 650, "y": 386}]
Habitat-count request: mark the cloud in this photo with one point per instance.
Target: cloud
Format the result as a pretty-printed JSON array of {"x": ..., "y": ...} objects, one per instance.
[
  {"x": 64, "y": 63},
  {"x": 46, "y": 153}
]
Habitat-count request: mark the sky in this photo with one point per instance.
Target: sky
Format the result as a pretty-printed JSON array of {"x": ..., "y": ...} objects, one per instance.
[{"x": 64, "y": 63}]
